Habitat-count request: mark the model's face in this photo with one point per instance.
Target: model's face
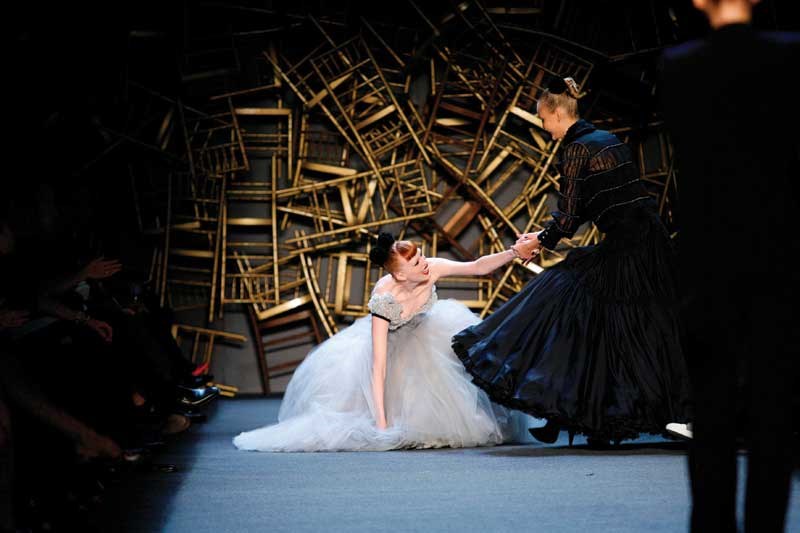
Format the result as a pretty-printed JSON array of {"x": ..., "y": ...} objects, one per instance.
[
  {"x": 415, "y": 269},
  {"x": 552, "y": 121}
]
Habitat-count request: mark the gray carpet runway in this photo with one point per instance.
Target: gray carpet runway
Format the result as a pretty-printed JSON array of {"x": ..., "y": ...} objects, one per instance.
[{"x": 640, "y": 487}]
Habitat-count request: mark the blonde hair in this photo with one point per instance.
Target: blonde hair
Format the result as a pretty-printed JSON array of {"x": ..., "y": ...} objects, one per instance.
[{"x": 567, "y": 100}]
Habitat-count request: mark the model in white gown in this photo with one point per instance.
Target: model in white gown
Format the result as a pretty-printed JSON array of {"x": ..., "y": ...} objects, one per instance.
[{"x": 429, "y": 400}]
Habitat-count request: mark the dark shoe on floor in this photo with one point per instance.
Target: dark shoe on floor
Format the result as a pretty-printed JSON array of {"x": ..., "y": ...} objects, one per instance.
[
  {"x": 547, "y": 433},
  {"x": 597, "y": 444},
  {"x": 195, "y": 397}
]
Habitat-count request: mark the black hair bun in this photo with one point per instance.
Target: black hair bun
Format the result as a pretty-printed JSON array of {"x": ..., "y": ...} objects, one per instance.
[
  {"x": 385, "y": 240},
  {"x": 380, "y": 252},
  {"x": 378, "y": 256}
]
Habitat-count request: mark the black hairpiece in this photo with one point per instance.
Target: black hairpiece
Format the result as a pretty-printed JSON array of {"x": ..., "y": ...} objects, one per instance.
[
  {"x": 380, "y": 252},
  {"x": 557, "y": 86}
]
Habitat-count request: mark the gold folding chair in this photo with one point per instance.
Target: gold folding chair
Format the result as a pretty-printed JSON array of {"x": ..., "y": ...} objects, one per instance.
[
  {"x": 657, "y": 168},
  {"x": 280, "y": 333},
  {"x": 203, "y": 341},
  {"x": 214, "y": 141},
  {"x": 189, "y": 260},
  {"x": 349, "y": 87},
  {"x": 344, "y": 207}
]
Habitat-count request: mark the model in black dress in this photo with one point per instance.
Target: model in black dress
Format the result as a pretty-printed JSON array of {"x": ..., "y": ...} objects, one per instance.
[{"x": 591, "y": 344}]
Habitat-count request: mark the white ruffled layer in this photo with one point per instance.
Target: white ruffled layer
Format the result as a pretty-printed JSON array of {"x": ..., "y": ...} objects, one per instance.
[{"x": 430, "y": 400}]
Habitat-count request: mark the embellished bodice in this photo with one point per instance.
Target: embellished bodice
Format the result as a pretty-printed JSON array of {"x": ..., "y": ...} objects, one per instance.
[
  {"x": 385, "y": 306},
  {"x": 599, "y": 182}
]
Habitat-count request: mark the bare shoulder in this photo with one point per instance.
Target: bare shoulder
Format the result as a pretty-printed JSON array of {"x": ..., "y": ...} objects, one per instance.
[
  {"x": 437, "y": 263},
  {"x": 441, "y": 267},
  {"x": 383, "y": 285},
  {"x": 441, "y": 261}
]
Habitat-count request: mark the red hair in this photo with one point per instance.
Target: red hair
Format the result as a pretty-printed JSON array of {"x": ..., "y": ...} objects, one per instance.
[{"x": 404, "y": 249}]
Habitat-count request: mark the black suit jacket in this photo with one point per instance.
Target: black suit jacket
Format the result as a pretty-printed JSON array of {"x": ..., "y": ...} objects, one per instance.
[{"x": 734, "y": 120}]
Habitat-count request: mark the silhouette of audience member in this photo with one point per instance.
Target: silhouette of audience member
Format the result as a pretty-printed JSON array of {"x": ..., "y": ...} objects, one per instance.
[{"x": 733, "y": 123}]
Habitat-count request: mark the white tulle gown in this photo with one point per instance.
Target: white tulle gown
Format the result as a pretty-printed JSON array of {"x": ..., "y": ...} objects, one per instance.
[{"x": 430, "y": 401}]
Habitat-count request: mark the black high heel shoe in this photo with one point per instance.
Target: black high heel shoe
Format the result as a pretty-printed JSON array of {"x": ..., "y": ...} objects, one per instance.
[
  {"x": 549, "y": 433},
  {"x": 598, "y": 444}
]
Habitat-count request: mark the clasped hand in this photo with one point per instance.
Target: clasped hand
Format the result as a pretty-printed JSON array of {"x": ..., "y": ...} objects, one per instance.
[{"x": 527, "y": 246}]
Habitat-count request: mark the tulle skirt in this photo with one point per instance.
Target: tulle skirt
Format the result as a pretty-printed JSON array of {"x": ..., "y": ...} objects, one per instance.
[
  {"x": 430, "y": 400},
  {"x": 592, "y": 343}
]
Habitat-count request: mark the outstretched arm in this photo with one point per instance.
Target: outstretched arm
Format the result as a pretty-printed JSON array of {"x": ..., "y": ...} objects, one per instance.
[
  {"x": 483, "y": 265},
  {"x": 98, "y": 268},
  {"x": 380, "y": 337},
  {"x": 49, "y": 306}
]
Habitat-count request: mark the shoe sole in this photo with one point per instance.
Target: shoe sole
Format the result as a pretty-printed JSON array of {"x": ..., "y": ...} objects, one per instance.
[
  {"x": 198, "y": 403},
  {"x": 678, "y": 435}
]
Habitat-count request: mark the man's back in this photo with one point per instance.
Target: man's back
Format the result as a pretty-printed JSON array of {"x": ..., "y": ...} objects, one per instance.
[{"x": 735, "y": 131}]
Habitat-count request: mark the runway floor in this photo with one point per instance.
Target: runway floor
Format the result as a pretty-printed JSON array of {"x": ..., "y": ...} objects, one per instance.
[{"x": 642, "y": 486}]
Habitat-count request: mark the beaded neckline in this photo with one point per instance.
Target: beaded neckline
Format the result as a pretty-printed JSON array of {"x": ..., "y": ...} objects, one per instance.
[{"x": 396, "y": 319}]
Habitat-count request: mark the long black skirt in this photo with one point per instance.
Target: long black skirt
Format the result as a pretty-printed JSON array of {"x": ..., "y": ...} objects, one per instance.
[{"x": 592, "y": 343}]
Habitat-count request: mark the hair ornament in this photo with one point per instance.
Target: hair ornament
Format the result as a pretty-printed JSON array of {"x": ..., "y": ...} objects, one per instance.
[
  {"x": 380, "y": 252},
  {"x": 565, "y": 85}
]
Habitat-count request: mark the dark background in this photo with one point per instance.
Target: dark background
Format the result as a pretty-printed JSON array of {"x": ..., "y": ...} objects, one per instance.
[{"x": 68, "y": 68}]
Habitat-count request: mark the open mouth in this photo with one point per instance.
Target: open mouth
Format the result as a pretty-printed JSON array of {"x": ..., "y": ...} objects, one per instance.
[{"x": 426, "y": 271}]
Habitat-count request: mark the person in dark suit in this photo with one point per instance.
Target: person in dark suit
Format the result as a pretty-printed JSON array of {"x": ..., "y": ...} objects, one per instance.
[{"x": 728, "y": 106}]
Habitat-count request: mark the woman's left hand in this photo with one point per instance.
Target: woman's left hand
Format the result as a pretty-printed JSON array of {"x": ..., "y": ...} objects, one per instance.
[
  {"x": 525, "y": 237},
  {"x": 12, "y": 318},
  {"x": 101, "y": 268},
  {"x": 527, "y": 250}
]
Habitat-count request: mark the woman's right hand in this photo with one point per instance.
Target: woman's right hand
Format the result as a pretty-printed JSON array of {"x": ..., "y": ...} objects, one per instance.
[
  {"x": 381, "y": 424},
  {"x": 12, "y": 318},
  {"x": 91, "y": 445},
  {"x": 101, "y": 328}
]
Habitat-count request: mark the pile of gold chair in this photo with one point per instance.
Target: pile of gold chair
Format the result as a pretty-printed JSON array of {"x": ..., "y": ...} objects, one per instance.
[{"x": 434, "y": 138}]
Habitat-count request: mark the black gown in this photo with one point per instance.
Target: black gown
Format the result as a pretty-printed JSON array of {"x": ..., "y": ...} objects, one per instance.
[{"x": 592, "y": 343}]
